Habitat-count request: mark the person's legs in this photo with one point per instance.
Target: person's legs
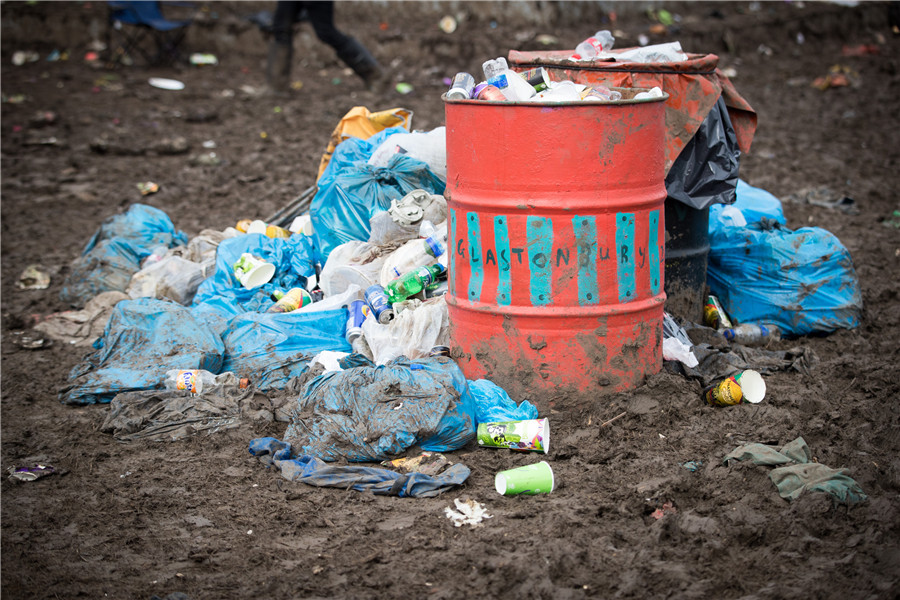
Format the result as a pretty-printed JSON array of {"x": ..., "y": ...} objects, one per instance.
[
  {"x": 349, "y": 50},
  {"x": 281, "y": 47}
]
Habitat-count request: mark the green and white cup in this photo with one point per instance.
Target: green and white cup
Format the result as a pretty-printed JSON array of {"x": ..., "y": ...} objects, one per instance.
[
  {"x": 252, "y": 271},
  {"x": 530, "y": 435},
  {"x": 529, "y": 480}
]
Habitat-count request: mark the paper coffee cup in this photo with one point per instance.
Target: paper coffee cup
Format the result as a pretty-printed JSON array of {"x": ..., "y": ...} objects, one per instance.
[
  {"x": 529, "y": 480},
  {"x": 253, "y": 271},
  {"x": 532, "y": 434}
]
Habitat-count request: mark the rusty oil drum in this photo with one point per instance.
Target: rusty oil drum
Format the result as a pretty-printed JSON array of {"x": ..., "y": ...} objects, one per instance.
[{"x": 557, "y": 226}]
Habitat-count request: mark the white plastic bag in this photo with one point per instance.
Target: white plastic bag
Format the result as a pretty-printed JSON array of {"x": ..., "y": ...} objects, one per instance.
[
  {"x": 428, "y": 146},
  {"x": 413, "y": 333},
  {"x": 171, "y": 278}
]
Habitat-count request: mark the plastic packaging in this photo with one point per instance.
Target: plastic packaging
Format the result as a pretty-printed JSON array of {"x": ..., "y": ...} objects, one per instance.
[
  {"x": 602, "y": 41},
  {"x": 752, "y": 334},
  {"x": 600, "y": 92},
  {"x": 494, "y": 67},
  {"x": 413, "y": 282},
  {"x": 295, "y": 298},
  {"x": 512, "y": 85},
  {"x": 430, "y": 147}
]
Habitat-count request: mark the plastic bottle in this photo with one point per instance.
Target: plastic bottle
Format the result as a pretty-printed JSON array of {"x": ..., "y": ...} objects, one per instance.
[
  {"x": 602, "y": 41},
  {"x": 413, "y": 282},
  {"x": 494, "y": 67},
  {"x": 197, "y": 380},
  {"x": 752, "y": 334},
  {"x": 512, "y": 85},
  {"x": 191, "y": 380}
]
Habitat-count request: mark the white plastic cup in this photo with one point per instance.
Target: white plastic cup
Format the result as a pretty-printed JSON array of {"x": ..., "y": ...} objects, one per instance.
[
  {"x": 253, "y": 271},
  {"x": 528, "y": 480}
]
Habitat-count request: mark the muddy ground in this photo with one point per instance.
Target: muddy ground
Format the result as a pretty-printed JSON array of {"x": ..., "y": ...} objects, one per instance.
[{"x": 203, "y": 517}]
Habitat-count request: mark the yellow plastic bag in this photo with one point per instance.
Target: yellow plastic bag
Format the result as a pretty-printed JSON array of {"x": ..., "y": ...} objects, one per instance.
[{"x": 361, "y": 123}]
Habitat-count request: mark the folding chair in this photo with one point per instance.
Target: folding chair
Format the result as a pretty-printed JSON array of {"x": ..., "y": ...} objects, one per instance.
[{"x": 138, "y": 22}]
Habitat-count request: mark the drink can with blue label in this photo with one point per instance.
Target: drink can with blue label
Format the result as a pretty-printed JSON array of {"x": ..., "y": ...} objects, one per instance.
[{"x": 379, "y": 304}]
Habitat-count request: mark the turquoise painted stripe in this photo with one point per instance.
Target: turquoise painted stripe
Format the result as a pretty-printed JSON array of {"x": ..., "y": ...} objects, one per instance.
[
  {"x": 476, "y": 267},
  {"x": 539, "y": 234},
  {"x": 653, "y": 246},
  {"x": 504, "y": 272},
  {"x": 625, "y": 255},
  {"x": 585, "y": 229},
  {"x": 451, "y": 285}
]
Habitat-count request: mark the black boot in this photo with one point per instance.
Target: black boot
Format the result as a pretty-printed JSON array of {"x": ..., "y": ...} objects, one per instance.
[
  {"x": 278, "y": 68},
  {"x": 363, "y": 64}
]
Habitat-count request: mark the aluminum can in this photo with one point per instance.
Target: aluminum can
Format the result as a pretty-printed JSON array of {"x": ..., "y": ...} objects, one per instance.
[
  {"x": 379, "y": 304},
  {"x": 461, "y": 87},
  {"x": 489, "y": 93}
]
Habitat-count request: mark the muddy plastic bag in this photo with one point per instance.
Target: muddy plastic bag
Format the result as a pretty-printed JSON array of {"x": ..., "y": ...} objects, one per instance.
[
  {"x": 271, "y": 348},
  {"x": 81, "y": 327},
  {"x": 428, "y": 146},
  {"x": 751, "y": 204},
  {"x": 377, "y": 413},
  {"x": 115, "y": 252},
  {"x": 143, "y": 339},
  {"x": 354, "y": 263},
  {"x": 802, "y": 281},
  {"x": 351, "y": 192},
  {"x": 412, "y": 333}
]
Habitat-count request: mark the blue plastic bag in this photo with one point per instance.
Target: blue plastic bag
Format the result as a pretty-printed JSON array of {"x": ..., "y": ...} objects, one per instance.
[
  {"x": 493, "y": 404},
  {"x": 143, "y": 339},
  {"x": 294, "y": 259},
  {"x": 351, "y": 191},
  {"x": 271, "y": 348},
  {"x": 753, "y": 203},
  {"x": 115, "y": 252},
  {"x": 376, "y": 413},
  {"x": 802, "y": 281}
]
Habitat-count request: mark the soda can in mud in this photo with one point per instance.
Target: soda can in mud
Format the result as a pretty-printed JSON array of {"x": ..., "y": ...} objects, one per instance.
[
  {"x": 357, "y": 313},
  {"x": 489, "y": 93},
  {"x": 461, "y": 87},
  {"x": 379, "y": 304},
  {"x": 714, "y": 315}
]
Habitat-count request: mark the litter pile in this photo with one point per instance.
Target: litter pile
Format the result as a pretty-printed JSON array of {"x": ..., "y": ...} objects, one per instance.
[{"x": 341, "y": 310}]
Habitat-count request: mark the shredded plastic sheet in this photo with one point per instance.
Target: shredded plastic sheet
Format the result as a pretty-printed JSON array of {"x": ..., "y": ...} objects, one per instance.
[
  {"x": 381, "y": 482},
  {"x": 376, "y": 413},
  {"x": 115, "y": 251},
  {"x": 81, "y": 327},
  {"x": 143, "y": 339},
  {"x": 271, "y": 348},
  {"x": 802, "y": 281},
  {"x": 351, "y": 191}
]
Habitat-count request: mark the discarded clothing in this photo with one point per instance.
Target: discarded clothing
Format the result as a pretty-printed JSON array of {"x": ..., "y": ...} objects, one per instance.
[
  {"x": 170, "y": 415},
  {"x": 381, "y": 482},
  {"x": 377, "y": 413},
  {"x": 794, "y": 479},
  {"x": 143, "y": 339}
]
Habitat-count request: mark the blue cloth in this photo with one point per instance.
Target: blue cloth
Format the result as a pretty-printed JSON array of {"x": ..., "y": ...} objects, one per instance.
[
  {"x": 383, "y": 482},
  {"x": 142, "y": 340},
  {"x": 351, "y": 191},
  {"x": 377, "y": 413}
]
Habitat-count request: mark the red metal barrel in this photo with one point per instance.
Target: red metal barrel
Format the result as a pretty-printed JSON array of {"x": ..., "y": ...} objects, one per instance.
[{"x": 557, "y": 231}]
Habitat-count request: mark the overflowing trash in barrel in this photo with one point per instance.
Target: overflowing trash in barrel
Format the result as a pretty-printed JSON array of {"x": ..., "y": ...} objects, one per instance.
[{"x": 363, "y": 314}]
